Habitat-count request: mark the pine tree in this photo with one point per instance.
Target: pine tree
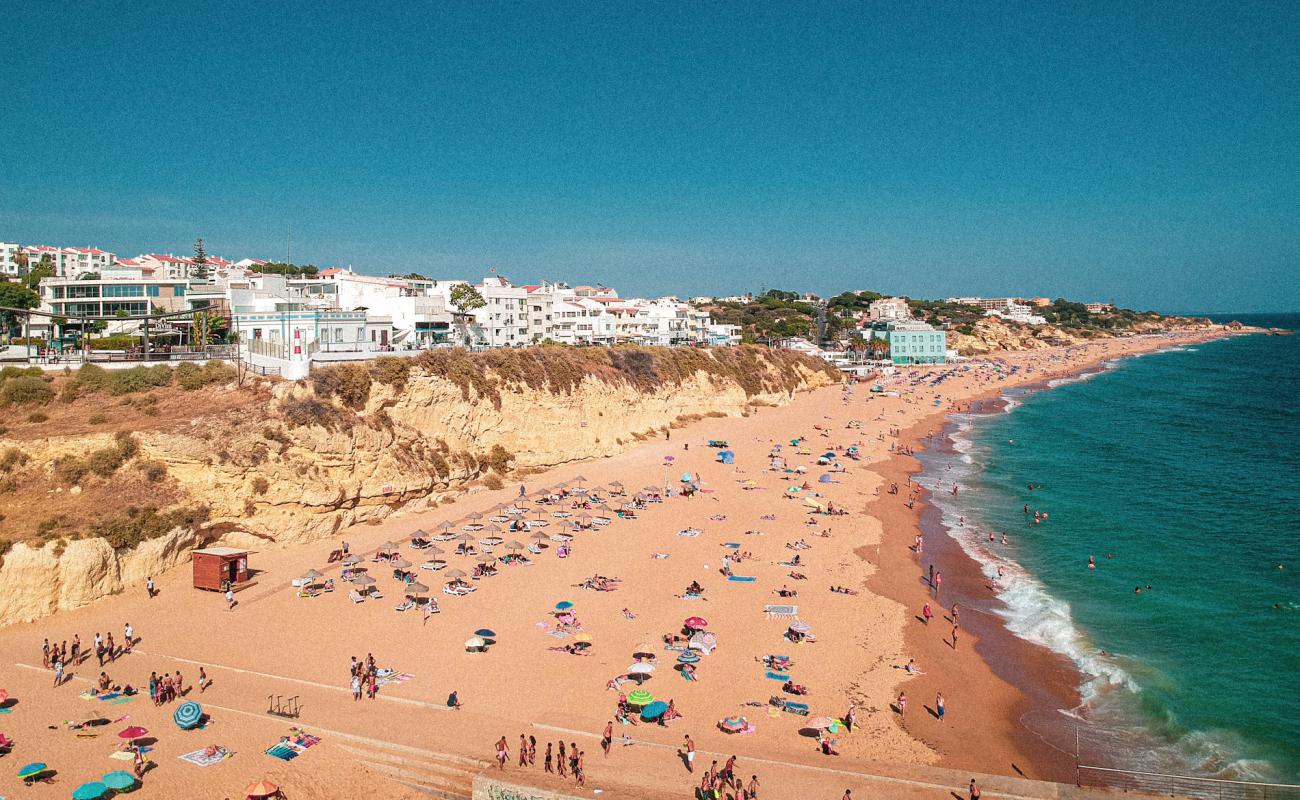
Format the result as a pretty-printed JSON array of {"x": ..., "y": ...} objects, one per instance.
[{"x": 200, "y": 271}]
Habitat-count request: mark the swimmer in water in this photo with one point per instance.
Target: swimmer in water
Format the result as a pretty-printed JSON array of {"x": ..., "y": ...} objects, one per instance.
[
  {"x": 1092, "y": 562},
  {"x": 1004, "y": 537}
]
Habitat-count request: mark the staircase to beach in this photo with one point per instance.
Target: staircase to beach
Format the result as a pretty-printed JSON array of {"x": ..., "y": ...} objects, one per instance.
[{"x": 441, "y": 775}]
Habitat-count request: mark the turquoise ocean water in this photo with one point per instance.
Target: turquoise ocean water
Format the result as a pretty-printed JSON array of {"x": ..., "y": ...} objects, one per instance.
[{"x": 1185, "y": 466}]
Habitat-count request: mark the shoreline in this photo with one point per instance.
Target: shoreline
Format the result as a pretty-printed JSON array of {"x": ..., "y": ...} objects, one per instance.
[
  {"x": 864, "y": 638},
  {"x": 1026, "y": 679}
]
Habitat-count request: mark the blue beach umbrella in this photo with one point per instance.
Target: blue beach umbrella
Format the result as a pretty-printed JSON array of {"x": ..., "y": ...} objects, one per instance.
[
  {"x": 689, "y": 657},
  {"x": 485, "y": 632},
  {"x": 118, "y": 780},
  {"x": 188, "y": 715},
  {"x": 563, "y": 605},
  {"x": 825, "y": 479},
  {"x": 89, "y": 791},
  {"x": 35, "y": 768},
  {"x": 655, "y": 710}
]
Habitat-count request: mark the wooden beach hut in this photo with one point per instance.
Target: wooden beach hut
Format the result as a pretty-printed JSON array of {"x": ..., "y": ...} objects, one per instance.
[{"x": 215, "y": 566}]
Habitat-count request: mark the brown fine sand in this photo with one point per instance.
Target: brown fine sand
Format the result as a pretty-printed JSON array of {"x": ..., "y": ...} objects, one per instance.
[{"x": 278, "y": 644}]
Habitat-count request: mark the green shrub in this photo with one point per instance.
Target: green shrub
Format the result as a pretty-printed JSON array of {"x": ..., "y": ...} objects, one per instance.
[
  {"x": 38, "y": 417},
  {"x": 260, "y": 485},
  {"x": 191, "y": 376},
  {"x": 305, "y": 411},
  {"x": 96, "y": 419},
  {"x": 350, "y": 383},
  {"x": 104, "y": 462},
  {"x": 391, "y": 370},
  {"x": 70, "y": 469},
  {"x": 15, "y": 372},
  {"x": 25, "y": 390},
  {"x": 154, "y": 471},
  {"x": 138, "y": 379},
  {"x": 499, "y": 458},
  {"x": 12, "y": 457},
  {"x": 142, "y": 524},
  {"x": 493, "y": 481}
]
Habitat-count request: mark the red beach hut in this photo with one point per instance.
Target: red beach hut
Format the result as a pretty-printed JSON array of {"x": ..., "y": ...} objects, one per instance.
[{"x": 215, "y": 566}]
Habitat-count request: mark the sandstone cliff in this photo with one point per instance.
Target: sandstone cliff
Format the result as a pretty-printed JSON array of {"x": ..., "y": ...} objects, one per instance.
[{"x": 302, "y": 460}]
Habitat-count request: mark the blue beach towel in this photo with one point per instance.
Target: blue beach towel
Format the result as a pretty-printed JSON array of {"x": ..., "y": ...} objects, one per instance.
[
  {"x": 732, "y": 545},
  {"x": 742, "y": 578},
  {"x": 282, "y": 752},
  {"x": 776, "y": 677}
]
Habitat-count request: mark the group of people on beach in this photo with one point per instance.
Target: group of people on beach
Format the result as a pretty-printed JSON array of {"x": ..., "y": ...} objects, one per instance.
[
  {"x": 568, "y": 761},
  {"x": 364, "y": 677},
  {"x": 60, "y": 656}
]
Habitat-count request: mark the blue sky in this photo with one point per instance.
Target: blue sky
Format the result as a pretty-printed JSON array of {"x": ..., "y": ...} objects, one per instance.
[{"x": 1145, "y": 153}]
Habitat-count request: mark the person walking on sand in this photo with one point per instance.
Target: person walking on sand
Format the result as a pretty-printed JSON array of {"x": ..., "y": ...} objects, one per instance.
[
  {"x": 607, "y": 738},
  {"x": 532, "y": 750},
  {"x": 129, "y": 633},
  {"x": 938, "y": 582},
  {"x": 203, "y": 681},
  {"x": 690, "y": 754},
  {"x": 954, "y": 636},
  {"x": 580, "y": 767},
  {"x": 503, "y": 752},
  {"x": 938, "y": 706},
  {"x": 58, "y": 671},
  {"x": 902, "y": 704},
  {"x": 927, "y": 613},
  {"x": 230, "y": 599},
  {"x": 751, "y": 791},
  {"x": 148, "y": 587},
  {"x": 549, "y": 757},
  {"x": 523, "y": 750},
  {"x": 562, "y": 762},
  {"x": 974, "y": 790}
]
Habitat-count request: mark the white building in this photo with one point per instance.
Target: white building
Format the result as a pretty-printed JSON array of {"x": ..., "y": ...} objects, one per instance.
[
  {"x": 420, "y": 317},
  {"x": 889, "y": 309},
  {"x": 67, "y": 262},
  {"x": 1017, "y": 312}
]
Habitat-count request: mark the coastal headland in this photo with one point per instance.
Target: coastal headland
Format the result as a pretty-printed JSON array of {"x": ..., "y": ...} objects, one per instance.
[{"x": 628, "y": 585}]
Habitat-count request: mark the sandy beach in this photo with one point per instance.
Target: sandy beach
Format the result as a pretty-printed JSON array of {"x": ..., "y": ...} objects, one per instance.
[{"x": 278, "y": 644}]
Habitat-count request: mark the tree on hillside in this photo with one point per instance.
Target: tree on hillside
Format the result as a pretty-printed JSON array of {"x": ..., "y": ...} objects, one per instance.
[
  {"x": 465, "y": 298},
  {"x": 44, "y": 269},
  {"x": 200, "y": 271},
  {"x": 15, "y": 295}
]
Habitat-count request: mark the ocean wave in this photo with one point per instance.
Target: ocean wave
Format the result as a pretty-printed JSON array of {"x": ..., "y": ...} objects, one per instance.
[{"x": 1110, "y": 693}]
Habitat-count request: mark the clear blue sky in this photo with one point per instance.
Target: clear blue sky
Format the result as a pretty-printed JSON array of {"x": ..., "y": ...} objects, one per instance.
[{"x": 1147, "y": 153}]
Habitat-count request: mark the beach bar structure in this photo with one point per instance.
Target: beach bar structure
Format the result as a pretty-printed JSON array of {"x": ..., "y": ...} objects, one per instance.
[{"x": 215, "y": 566}]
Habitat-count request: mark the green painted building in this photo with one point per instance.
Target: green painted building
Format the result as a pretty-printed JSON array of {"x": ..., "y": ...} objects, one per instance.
[{"x": 913, "y": 342}]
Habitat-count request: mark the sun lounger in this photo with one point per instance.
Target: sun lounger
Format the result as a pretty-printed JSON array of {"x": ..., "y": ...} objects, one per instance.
[
  {"x": 774, "y": 611},
  {"x": 356, "y": 596},
  {"x": 407, "y": 606}
]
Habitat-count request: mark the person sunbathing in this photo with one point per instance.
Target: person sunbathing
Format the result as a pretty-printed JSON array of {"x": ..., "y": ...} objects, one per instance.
[
  {"x": 843, "y": 590},
  {"x": 787, "y": 592},
  {"x": 790, "y": 687},
  {"x": 799, "y": 576},
  {"x": 695, "y": 589}
]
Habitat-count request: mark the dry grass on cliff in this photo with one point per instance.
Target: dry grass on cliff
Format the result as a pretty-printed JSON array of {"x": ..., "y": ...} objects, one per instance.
[
  {"x": 37, "y": 505},
  {"x": 83, "y": 411}
]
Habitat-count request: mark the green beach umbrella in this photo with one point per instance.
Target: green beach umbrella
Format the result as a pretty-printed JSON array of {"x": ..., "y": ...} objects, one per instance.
[
  {"x": 89, "y": 791},
  {"x": 640, "y": 697},
  {"x": 118, "y": 780},
  {"x": 35, "y": 768}
]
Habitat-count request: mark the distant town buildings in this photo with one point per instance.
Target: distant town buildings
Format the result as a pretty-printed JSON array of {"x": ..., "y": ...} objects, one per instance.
[{"x": 889, "y": 309}]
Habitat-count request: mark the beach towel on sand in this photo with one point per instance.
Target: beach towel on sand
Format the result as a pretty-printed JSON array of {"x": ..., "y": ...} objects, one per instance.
[
  {"x": 774, "y": 676},
  {"x": 742, "y": 578},
  {"x": 199, "y": 758},
  {"x": 780, "y": 610}
]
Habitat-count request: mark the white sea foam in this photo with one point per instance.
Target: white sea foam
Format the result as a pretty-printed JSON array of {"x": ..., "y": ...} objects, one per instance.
[{"x": 1033, "y": 614}]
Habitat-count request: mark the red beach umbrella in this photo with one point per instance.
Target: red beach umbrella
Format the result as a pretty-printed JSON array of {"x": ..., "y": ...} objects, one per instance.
[
  {"x": 696, "y": 623},
  {"x": 133, "y": 732}
]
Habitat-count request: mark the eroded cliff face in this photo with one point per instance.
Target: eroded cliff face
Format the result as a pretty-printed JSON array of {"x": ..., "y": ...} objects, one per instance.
[{"x": 266, "y": 478}]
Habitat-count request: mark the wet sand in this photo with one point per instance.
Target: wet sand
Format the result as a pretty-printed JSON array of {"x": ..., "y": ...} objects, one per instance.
[{"x": 276, "y": 643}]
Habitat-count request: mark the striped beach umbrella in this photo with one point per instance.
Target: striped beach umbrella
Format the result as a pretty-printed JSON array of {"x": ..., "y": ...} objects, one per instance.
[
  {"x": 261, "y": 789},
  {"x": 640, "y": 697},
  {"x": 187, "y": 715},
  {"x": 689, "y": 657}
]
